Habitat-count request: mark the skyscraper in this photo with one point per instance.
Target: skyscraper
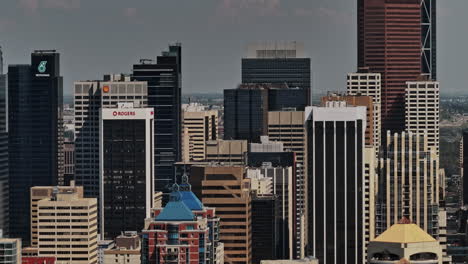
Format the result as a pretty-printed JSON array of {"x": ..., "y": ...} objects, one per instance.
[
  {"x": 389, "y": 43},
  {"x": 126, "y": 151},
  {"x": 408, "y": 183},
  {"x": 365, "y": 83},
  {"x": 464, "y": 167},
  {"x": 429, "y": 38},
  {"x": 422, "y": 110},
  {"x": 199, "y": 126},
  {"x": 278, "y": 63},
  {"x": 224, "y": 188},
  {"x": 246, "y": 112},
  {"x": 35, "y": 96},
  {"x": 164, "y": 80},
  {"x": 90, "y": 97},
  {"x": 4, "y": 210},
  {"x": 336, "y": 196}
]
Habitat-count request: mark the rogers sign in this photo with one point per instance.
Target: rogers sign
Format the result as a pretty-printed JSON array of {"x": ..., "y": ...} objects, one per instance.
[{"x": 119, "y": 113}]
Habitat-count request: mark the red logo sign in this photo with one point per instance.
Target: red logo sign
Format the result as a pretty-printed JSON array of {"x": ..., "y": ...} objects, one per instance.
[{"x": 118, "y": 113}]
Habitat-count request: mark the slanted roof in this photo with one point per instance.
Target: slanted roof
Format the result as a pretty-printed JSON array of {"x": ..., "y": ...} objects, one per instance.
[
  {"x": 404, "y": 233},
  {"x": 176, "y": 210},
  {"x": 191, "y": 201}
]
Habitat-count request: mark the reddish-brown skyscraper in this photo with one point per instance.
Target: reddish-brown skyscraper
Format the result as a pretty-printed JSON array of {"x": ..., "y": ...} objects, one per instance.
[{"x": 389, "y": 42}]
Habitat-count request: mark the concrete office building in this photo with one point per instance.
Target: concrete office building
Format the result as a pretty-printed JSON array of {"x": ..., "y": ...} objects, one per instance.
[
  {"x": 288, "y": 127},
  {"x": 67, "y": 226},
  {"x": 183, "y": 231},
  {"x": 336, "y": 184},
  {"x": 89, "y": 97},
  {"x": 35, "y": 125},
  {"x": 228, "y": 152},
  {"x": 408, "y": 183},
  {"x": 279, "y": 63},
  {"x": 405, "y": 242},
  {"x": 198, "y": 127},
  {"x": 382, "y": 24},
  {"x": 164, "y": 78},
  {"x": 10, "y": 250},
  {"x": 126, "y": 182},
  {"x": 282, "y": 186},
  {"x": 422, "y": 101},
  {"x": 39, "y": 193},
  {"x": 357, "y": 100},
  {"x": 126, "y": 249},
  {"x": 365, "y": 83},
  {"x": 226, "y": 189},
  {"x": 370, "y": 176}
]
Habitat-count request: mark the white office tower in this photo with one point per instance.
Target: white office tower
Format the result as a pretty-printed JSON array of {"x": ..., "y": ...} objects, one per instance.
[
  {"x": 422, "y": 110},
  {"x": 336, "y": 182},
  {"x": 366, "y": 83},
  {"x": 90, "y": 96},
  {"x": 408, "y": 183},
  {"x": 126, "y": 148}
]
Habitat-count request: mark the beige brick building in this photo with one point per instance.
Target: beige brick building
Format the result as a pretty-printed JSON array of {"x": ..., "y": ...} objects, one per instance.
[
  {"x": 67, "y": 226},
  {"x": 198, "y": 127}
]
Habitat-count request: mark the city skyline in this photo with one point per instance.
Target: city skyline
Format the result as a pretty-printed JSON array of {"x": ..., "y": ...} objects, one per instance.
[{"x": 217, "y": 33}]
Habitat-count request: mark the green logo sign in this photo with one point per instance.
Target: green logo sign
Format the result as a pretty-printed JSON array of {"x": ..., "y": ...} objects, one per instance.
[{"x": 42, "y": 67}]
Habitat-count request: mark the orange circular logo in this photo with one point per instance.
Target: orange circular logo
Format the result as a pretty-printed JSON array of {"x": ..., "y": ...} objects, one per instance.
[{"x": 105, "y": 89}]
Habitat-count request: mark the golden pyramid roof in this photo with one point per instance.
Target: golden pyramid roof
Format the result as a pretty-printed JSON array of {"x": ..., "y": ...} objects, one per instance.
[{"x": 404, "y": 233}]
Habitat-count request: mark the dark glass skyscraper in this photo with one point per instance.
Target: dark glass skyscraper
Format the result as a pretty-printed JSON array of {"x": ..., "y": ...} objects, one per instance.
[
  {"x": 246, "y": 112},
  {"x": 4, "y": 210},
  {"x": 278, "y": 63},
  {"x": 464, "y": 167},
  {"x": 35, "y": 96},
  {"x": 336, "y": 197},
  {"x": 164, "y": 94}
]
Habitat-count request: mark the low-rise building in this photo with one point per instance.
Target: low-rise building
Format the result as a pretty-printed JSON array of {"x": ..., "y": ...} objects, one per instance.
[{"x": 126, "y": 250}]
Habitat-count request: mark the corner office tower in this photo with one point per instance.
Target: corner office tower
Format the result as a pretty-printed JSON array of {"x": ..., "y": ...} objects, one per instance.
[
  {"x": 397, "y": 38},
  {"x": 164, "y": 79},
  {"x": 35, "y": 96}
]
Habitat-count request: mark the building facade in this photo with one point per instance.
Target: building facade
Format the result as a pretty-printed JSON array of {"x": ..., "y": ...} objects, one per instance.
[
  {"x": 288, "y": 127},
  {"x": 226, "y": 189},
  {"x": 408, "y": 183},
  {"x": 278, "y": 63},
  {"x": 184, "y": 231},
  {"x": 126, "y": 149},
  {"x": 39, "y": 193},
  {"x": 164, "y": 78},
  {"x": 10, "y": 250},
  {"x": 464, "y": 167},
  {"x": 35, "y": 96},
  {"x": 68, "y": 161},
  {"x": 336, "y": 199},
  {"x": 198, "y": 127},
  {"x": 246, "y": 112},
  {"x": 126, "y": 249},
  {"x": 389, "y": 43},
  {"x": 364, "y": 83},
  {"x": 90, "y": 97},
  {"x": 4, "y": 193},
  {"x": 68, "y": 227},
  {"x": 228, "y": 152},
  {"x": 422, "y": 101}
]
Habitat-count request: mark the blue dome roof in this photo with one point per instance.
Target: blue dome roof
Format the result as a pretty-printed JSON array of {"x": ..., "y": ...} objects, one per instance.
[{"x": 176, "y": 210}]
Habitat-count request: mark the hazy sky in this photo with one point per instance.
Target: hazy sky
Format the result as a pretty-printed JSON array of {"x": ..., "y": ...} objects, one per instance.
[{"x": 107, "y": 36}]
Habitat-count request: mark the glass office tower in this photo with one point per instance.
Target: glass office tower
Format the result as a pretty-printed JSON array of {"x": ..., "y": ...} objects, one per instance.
[{"x": 35, "y": 96}]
